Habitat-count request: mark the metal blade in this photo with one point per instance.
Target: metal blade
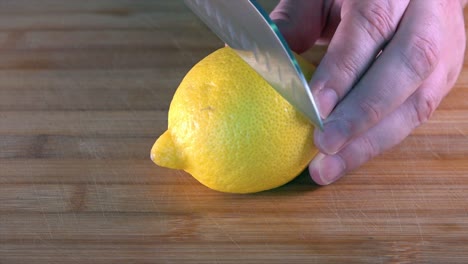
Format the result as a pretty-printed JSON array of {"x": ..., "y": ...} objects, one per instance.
[{"x": 247, "y": 28}]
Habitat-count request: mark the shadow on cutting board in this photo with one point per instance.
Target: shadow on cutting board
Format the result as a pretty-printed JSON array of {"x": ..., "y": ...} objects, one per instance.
[{"x": 301, "y": 184}]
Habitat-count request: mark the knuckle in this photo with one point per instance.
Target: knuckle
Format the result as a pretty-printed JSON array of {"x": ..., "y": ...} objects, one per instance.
[
  {"x": 371, "y": 110},
  {"x": 346, "y": 125},
  {"x": 376, "y": 21},
  {"x": 348, "y": 66},
  {"x": 370, "y": 148},
  {"x": 421, "y": 56},
  {"x": 424, "y": 106}
]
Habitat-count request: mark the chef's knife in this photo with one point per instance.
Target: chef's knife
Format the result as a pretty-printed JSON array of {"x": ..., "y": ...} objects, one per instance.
[{"x": 247, "y": 29}]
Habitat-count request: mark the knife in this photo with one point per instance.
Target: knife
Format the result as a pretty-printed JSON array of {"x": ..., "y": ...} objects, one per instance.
[{"x": 249, "y": 31}]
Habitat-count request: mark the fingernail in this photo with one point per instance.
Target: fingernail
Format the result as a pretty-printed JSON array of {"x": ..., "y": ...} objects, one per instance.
[
  {"x": 331, "y": 139},
  {"x": 327, "y": 100},
  {"x": 326, "y": 169}
]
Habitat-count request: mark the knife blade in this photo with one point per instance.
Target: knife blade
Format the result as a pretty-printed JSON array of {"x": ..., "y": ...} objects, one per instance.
[{"x": 249, "y": 31}]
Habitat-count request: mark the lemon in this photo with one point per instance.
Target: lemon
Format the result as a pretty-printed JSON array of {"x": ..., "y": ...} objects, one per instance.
[{"x": 232, "y": 131}]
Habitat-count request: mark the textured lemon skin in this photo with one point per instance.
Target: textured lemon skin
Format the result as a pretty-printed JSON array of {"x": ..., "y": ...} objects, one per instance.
[{"x": 232, "y": 131}]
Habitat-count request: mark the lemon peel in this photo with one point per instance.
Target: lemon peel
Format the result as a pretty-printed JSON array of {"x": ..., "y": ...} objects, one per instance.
[{"x": 232, "y": 131}]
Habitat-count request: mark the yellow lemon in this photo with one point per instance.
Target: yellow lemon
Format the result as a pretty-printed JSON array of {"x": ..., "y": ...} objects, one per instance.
[{"x": 232, "y": 131}]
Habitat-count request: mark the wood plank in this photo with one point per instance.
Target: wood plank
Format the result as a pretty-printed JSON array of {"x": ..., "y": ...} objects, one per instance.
[
  {"x": 91, "y": 78},
  {"x": 105, "y": 15},
  {"x": 376, "y": 187},
  {"x": 103, "y": 19},
  {"x": 117, "y": 58},
  {"x": 230, "y": 252},
  {"x": 82, "y": 123},
  {"x": 68, "y": 6},
  {"x": 76, "y": 97},
  {"x": 72, "y": 147},
  {"x": 95, "y": 39},
  {"x": 137, "y": 89},
  {"x": 129, "y": 229},
  {"x": 92, "y": 171}
]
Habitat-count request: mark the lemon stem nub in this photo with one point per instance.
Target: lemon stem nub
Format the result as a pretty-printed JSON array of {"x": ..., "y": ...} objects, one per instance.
[{"x": 164, "y": 152}]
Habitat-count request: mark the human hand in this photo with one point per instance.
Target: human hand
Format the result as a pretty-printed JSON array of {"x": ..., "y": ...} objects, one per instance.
[{"x": 388, "y": 66}]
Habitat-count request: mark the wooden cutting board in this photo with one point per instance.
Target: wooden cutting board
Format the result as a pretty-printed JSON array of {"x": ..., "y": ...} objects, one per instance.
[{"x": 84, "y": 92}]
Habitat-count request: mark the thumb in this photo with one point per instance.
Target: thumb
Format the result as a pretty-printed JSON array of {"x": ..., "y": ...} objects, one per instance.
[{"x": 300, "y": 22}]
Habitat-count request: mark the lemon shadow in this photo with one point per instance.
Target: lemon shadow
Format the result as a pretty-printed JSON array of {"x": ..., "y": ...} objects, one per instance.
[{"x": 303, "y": 183}]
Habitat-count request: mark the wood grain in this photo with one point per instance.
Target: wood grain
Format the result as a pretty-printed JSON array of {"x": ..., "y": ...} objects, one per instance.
[{"x": 84, "y": 91}]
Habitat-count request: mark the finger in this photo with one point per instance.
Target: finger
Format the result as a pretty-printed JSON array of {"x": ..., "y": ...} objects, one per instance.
[
  {"x": 405, "y": 63},
  {"x": 325, "y": 169},
  {"x": 299, "y": 21},
  {"x": 363, "y": 31}
]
